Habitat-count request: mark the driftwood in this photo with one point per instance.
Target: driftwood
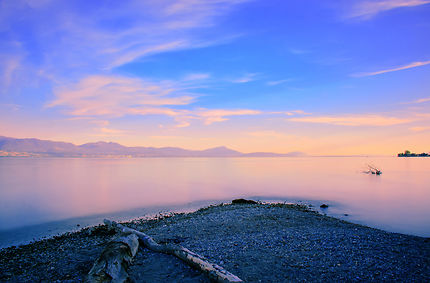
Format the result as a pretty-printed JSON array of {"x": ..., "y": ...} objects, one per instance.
[
  {"x": 373, "y": 170},
  {"x": 214, "y": 271},
  {"x": 112, "y": 264}
]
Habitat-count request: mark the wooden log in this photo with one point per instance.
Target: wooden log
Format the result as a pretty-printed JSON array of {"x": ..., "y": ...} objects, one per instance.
[
  {"x": 112, "y": 264},
  {"x": 214, "y": 272}
]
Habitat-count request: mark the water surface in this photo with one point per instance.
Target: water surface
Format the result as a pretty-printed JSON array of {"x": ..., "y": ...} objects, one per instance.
[{"x": 41, "y": 190}]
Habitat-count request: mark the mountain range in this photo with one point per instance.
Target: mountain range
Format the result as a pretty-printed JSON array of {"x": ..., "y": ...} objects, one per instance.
[{"x": 41, "y": 148}]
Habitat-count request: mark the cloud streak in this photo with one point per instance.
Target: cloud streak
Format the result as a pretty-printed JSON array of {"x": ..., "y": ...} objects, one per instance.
[
  {"x": 420, "y": 128},
  {"x": 354, "y": 120},
  {"x": 296, "y": 112},
  {"x": 278, "y": 82},
  {"x": 368, "y": 9},
  {"x": 421, "y": 100},
  {"x": 220, "y": 115},
  {"x": 405, "y": 67},
  {"x": 245, "y": 79}
]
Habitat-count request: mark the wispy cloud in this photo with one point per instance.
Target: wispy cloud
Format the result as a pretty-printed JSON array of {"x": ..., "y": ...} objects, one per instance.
[
  {"x": 245, "y": 78},
  {"x": 354, "y": 120},
  {"x": 420, "y": 128},
  {"x": 220, "y": 115},
  {"x": 368, "y": 9},
  {"x": 12, "y": 55},
  {"x": 196, "y": 77},
  {"x": 421, "y": 100},
  {"x": 105, "y": 97},
  {"x": 102, "y": 37},
  {"x": 9, "y": 67},
  {"x": 296, "y": 112},
  {"x": 405, "y": 67},
  {"x": 131, "y": 55},
  {"x": 115, "y": 96},
  {"x": 278, "y": 82}
]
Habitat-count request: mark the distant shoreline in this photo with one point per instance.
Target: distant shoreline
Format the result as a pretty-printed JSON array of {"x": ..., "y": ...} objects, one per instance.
[{"x": 413, "y": 155}]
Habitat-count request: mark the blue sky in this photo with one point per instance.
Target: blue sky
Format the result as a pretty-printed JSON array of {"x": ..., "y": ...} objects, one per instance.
[{"x": 323, "y": 77}]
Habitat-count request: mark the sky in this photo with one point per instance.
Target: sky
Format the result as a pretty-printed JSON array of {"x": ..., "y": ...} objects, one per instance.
[{"x": 336, "y": 77}]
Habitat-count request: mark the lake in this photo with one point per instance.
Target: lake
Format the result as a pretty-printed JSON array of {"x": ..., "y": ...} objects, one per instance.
[{"x": 46, "y": 196}]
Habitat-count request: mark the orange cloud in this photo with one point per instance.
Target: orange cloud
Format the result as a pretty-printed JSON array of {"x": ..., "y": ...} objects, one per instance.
[{"x": 420, "y": 129}]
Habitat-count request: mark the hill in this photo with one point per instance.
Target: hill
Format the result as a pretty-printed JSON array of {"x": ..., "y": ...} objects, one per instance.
[{"x": 35, "y": 147}]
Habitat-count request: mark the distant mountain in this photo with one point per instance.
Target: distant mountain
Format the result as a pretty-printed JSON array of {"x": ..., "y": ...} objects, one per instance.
[
  {"x": 221, "y": 151},
  {"x": 36, "y": 147},
  {"x": 102, "y": 148}
]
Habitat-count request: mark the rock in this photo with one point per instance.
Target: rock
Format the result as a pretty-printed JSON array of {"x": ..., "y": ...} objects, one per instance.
[
  {"x": 324, "y": 205},
  {"x": 243, "y": 201}
]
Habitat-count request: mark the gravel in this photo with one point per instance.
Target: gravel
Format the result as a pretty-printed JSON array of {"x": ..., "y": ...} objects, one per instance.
[{"x": 257, "y": 242}]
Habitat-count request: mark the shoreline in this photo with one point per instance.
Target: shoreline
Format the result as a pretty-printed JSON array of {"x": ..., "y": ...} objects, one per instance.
[
  {"x": 268, "y": 242},
  {"x": 24, "y": 235}
]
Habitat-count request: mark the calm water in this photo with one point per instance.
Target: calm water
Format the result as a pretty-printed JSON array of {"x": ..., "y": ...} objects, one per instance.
[{"x": 60, "y": 193}]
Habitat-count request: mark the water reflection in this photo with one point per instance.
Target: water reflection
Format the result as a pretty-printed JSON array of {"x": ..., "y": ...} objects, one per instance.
[{"x": 36, "y": 191}]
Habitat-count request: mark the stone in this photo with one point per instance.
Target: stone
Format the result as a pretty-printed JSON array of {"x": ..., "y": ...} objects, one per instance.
[{"x": 243, "y": 201}]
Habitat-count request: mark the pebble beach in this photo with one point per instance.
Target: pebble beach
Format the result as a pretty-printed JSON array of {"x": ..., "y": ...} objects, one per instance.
[{"x": 256, "y": 242}]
